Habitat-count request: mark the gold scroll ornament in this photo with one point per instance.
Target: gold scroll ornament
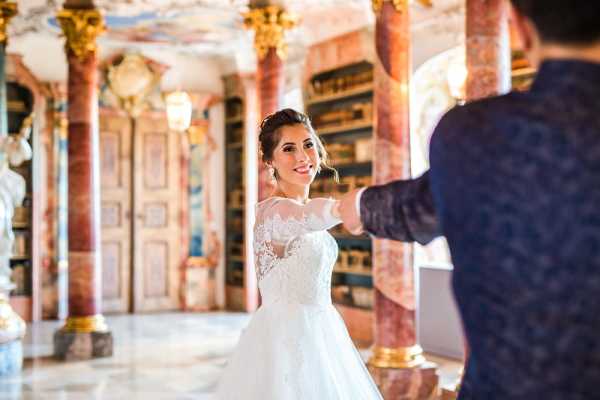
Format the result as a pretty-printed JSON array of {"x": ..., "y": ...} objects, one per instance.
[
  {"x": 7, "y": 11},
  {"x": 269, "y": 24},
  {"x": 81, "y": 27},
  {"x": 399, "y": 5}
]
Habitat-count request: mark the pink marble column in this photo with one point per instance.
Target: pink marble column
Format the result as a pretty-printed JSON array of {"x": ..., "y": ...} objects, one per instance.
[
  {"x": 85, "y": 318},
  {"x": 85, "y": 295},
  {"x": 397, "y": 364},
  {"x": 269, "y": 76},
  {"x": 488, "y": 48}
]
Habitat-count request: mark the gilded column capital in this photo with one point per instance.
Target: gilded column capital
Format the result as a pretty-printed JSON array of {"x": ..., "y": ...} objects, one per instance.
[
  {"x": 8, "y": 9},
  {"x": 81, "y": 27},
  {"x": 399, "y": 5},
  {"x": 269, "y": 24}
]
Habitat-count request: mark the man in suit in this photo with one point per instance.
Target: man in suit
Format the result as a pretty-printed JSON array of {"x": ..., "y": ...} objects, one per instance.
[{"x": 514, "y": 186}]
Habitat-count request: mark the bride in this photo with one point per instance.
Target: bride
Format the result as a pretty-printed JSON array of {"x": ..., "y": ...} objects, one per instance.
[{"x": 296, "y": 345}]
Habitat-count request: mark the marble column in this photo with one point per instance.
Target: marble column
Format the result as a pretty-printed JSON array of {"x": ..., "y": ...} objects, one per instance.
[
  {"x": 269, "y": 24},
  {"x": 85, "y": 334},
  {"x": 397, "y": 363},
  {"x": 12, "y": 327},
  {"x": 488, "y": 48},
  {"x": 270, "y": 81}
]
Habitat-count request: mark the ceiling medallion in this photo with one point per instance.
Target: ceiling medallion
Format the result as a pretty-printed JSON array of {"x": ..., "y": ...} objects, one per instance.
[{"x": 269, "y": 24}]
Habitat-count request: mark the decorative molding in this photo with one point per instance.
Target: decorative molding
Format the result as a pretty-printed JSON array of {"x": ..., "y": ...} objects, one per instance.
[
  {"x": 7, "y": 11},
  {"x": 81, "y": 27},
  {"x": 269, "y": 24}
]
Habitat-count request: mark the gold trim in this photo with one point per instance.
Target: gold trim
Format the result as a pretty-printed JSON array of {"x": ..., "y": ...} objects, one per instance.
[
  {"x": 269, "y": 24},
  {"x": 81, "y": 27},
  {"x": 399, "y": 5},
  {"x": 92, "y": 323},
  {"x": 402, "y": 357},
  {"x": 7, "y": 11}
]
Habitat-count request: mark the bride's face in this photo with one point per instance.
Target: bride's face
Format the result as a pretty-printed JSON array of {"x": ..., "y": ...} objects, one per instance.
[{"x": 296, "y": 157}]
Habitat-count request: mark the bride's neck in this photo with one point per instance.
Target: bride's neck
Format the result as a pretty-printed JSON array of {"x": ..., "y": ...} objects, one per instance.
[{"x": 291, "y": 191}]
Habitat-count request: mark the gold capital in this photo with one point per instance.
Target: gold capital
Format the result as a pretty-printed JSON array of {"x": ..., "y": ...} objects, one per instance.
[
  {"x": 269, "y": 24},
  {"x": 92, "y": 323},
  {"x": 399, "y": 5},
  {"x": 7, "y": 11},
  {"x": 81, "y": 27},
  {"x": 401, "y": 357}
]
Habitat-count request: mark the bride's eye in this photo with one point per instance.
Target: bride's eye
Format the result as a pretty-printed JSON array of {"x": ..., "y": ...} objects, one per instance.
[
  {"x": 309, "y": 145},
  {"x": 288, "y": 148}
]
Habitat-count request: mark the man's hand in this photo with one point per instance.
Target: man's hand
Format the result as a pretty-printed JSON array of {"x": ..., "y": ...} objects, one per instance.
[{"x": 349, "y": 213}]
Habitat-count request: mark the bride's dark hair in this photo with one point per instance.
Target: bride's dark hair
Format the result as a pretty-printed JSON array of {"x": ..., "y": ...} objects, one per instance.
[{"x": 270, "y": 135}]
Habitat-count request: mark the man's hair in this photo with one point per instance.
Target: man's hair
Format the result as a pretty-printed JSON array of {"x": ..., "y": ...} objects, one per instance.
[{"x": 574, "y": 22}]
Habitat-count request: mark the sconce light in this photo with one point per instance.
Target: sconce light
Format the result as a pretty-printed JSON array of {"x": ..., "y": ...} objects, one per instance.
[
  {"x": 179, "y": 111},
  {"x": 457, "y": 81}
]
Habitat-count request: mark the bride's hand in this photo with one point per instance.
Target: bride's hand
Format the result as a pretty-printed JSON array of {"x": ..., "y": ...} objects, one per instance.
[{"x": 348, "y": 213}]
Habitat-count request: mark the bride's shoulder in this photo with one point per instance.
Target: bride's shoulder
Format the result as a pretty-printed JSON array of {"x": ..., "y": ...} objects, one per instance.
[{"x": 276, "y": 200}]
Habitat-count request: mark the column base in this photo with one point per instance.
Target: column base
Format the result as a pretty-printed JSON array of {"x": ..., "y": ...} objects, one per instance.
[
  {"x": 449, "y": 393},
  {"x": 11, "y": 357},
  {"x": 418, "y": 383},
  {"x": 82, "y": 345}
]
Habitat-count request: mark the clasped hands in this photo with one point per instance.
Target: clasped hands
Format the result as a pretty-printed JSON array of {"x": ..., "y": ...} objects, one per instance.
[{"x": 346, "y": 209}]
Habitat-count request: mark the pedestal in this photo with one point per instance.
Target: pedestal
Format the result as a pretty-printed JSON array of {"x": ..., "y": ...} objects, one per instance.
[
  {"x": 71, "y": 346},
  {"x": 449, "y": 393},
  {"x": 419, "y": 383}
]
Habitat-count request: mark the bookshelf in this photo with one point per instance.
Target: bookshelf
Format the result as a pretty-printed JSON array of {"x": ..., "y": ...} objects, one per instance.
[
  {"x": 241, "y": 293},
  {"x": 340, "y": 104}
]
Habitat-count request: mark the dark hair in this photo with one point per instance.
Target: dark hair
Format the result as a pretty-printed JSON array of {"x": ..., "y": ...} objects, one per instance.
[
  {"x": 270, "y": 135},
  {"x": 575, "y": 22}
]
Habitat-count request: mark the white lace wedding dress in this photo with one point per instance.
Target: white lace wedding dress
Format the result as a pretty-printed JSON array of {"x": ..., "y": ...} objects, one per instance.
[{"x": 296, "y": 346}]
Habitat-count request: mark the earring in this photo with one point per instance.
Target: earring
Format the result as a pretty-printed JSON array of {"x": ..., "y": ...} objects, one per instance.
[{"x": 272, "y": 173}]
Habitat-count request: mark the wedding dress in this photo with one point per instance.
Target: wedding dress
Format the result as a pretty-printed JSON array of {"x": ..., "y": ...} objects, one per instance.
[{"x": 296, "y": 346}]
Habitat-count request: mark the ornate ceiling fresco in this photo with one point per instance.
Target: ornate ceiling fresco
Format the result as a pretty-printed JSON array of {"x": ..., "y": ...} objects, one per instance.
[
  {"x": 208, "y": 27},
  {"x": 208, "y": 35}
]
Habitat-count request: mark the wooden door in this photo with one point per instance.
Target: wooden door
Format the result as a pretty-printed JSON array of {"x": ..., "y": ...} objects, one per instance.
[
  {"x": 157, "y": 203},
  {"x": 115, "y": 167}
]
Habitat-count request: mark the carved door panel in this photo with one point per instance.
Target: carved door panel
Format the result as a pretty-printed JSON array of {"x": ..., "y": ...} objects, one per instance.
[
  {"x": 115, "y": 172},
  {"x": 157, "y": 199}
]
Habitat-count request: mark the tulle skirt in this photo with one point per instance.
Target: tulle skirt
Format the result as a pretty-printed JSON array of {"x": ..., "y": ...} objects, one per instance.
[{"x": 296, "y": 352}]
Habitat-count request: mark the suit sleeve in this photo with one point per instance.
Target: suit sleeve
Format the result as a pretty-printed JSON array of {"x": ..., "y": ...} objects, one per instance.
[{"x": 401, "y": 210}]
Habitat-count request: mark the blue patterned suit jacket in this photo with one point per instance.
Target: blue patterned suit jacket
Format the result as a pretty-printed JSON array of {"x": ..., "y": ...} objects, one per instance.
[{"x": 516, "y": 189}]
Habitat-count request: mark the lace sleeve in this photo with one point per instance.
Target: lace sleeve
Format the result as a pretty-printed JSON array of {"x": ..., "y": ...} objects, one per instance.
[
  {"x": 297, "y": 218},
  {"x": 280, "y": 220}
]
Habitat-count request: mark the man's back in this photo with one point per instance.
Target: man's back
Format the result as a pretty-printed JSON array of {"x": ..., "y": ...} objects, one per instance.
[{"x": 516, "y": 183}]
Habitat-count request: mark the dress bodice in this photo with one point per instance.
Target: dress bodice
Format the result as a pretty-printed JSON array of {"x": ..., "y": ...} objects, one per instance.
[{"x": 294, "y": 254}]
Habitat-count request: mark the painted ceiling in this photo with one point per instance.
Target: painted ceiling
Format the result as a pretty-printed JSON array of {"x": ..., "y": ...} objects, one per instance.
[
  {"x": 208, "y": 35},
  {"x": 207, "y": 26}
]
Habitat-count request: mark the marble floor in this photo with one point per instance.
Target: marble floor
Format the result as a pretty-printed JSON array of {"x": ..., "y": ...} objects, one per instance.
[{"x": 156, "y": 356}]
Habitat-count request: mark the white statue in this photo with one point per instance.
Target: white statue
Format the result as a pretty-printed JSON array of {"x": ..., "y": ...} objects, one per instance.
[{"x": 14, "y": 150}]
